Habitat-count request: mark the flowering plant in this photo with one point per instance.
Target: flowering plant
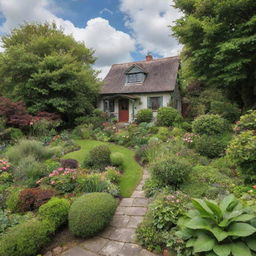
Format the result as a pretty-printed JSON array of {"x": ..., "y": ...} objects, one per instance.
[
  {"x": 63, "y": 179},
  {"x": 4, "y": 165},
  {"x": 188, "y": 138}
]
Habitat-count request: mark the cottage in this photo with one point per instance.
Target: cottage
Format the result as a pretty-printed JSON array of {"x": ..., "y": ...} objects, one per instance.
[{"x": 129, "y": 87}]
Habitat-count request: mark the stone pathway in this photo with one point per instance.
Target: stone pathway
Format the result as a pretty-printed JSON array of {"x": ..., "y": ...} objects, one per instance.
[{"x": 119, "y": 238}]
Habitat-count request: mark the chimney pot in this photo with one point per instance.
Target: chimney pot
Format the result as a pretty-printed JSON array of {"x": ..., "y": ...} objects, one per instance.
[{"x": 149, "y": 57}]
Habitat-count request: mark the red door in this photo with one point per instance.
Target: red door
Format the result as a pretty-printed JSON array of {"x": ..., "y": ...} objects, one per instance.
[{"x": 123, "y": 110}]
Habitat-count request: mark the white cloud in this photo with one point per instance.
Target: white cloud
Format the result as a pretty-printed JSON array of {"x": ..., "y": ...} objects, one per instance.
[
  {"x": 111, "y": 45},
  {"x": 149, "y": 21},
  {"x": 106, "y": 10}
]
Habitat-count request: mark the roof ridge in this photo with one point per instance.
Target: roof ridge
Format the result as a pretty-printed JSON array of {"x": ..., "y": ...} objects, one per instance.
[{"x": 146, "y": 61}]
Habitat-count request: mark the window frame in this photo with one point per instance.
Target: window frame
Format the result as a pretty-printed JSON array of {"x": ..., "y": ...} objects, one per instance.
[
  {"x": 109, "y": 106},
  {"x": 160, "y": 102}
]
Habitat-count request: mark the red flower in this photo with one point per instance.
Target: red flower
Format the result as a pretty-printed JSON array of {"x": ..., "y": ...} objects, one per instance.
[{"x": 254, "y": 187}]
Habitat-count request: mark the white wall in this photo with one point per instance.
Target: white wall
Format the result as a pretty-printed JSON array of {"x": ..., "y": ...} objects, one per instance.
[{"x": 141, "y": 103}]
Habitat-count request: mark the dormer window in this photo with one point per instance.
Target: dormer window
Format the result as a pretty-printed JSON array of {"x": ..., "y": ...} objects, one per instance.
[{"x": 135, "y": 75}]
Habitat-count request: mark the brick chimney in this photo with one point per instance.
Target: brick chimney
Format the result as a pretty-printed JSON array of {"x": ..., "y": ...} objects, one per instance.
[{"x": 149, "y": 57}]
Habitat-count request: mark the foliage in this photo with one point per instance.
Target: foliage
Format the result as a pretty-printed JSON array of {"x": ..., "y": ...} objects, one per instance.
[
  {"x": 11, "y": 135},
  {"x": 69, "y": 163},
  {"x": 144, "y": 115},
  {"x": 98, "y": 157},
  {"x": 113, "y": 175},
  {"x": 242, "y": 151},
  {"x": 12, "y": 200},
  {"x": 117, "y": 159},
  {"x": 62, "y": 179},
  {"x": 132, "y": 171},
  {"x": 220, "y": 229},
  {"x": 28, "y": 171},
  {"x": 26, "y": 239},
  {"x": 25, "y": 148},
  {"x": 83, "y": 131},
  {"x": 163, "y": 134},
  {"x": 39, "y": 62},
  {"x": 55, "y": 211},
  {"x": 31, "y": 199},
  {"x": 167, "y": 116},
  {"x": 227, "y": 110},
  {"x": 171, "y": 171},
  {"x": 152, "y": 186},
  {"x": 209, "y": 124},
  {"x": 8, "y": 220},
  {"x": 211, "y": 146},
  {"x": 212, "y": 37},
  {"x": 247, "y": 121},
  {"x": 90, "y": 213}
]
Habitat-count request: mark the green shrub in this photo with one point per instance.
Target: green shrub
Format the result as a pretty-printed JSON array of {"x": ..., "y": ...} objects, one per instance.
[
  {"x": 144, "y": 116},
  {"x": 11, "y": 135},
  {"x": 26, "y": 239},
  {"x": 84, "y": 131},
  {"x": 227, "y": 110},
  {"x": 112, "y": 175},
  {"x": 247, "y": 121},
  {"x": 91, "y": 183},
  {"x": 242, "y": 151},
  {"x": 12, "y": 201},
  {"x": 56, "y": 211},
  {"x": 227, "y": 228},
  {"x": 171, "y": 171},
  {"x": 26, "y": 148},
  {"x": 209, "y": 124},
  {"x": 167, "y": 116},
  {"x": 210, "y": 146},
  {"x": 91, "y": 213},
  {"x": 163, "y": 134},
  {"x": 28, "y": 171},
  {"x": 152, "y": 186},
  {"x": 98, "y": 158},
  {"x": 117, "y": 159}
]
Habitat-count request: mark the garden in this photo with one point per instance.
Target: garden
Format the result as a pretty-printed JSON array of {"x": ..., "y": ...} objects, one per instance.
[{"x": 202, "y": 185}]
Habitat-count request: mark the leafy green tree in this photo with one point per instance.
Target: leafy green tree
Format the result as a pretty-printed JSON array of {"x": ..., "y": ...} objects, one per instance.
[
  {"x": 49, "y": 71},
  {"x": 219, "y": 38}
]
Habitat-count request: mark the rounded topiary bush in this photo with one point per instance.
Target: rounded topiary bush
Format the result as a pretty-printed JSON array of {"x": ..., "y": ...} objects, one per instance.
[
  {"x": 167, "y": 116},
  {"x": 209, "y": 124},
  {"x": 117, "y": 159},
  {"x": 171, "y": 171},
  {"x": 89, "y": 214},
  {"x": 55, "y": 210},
  {"x": 99, "y": 157},
  {"x": 144, "y": 116}
]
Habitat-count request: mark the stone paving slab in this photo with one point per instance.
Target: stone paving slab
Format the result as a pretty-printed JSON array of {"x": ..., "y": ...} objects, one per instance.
[
  {"x": 112, "y": 248},
  {"x": 118, "y": 239}
]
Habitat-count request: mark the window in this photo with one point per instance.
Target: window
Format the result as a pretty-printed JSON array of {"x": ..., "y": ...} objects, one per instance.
[
  {"x": 109, "y": 105},
  {"x": 155, "y": 102},
  {"x": 135, "y": 78}
]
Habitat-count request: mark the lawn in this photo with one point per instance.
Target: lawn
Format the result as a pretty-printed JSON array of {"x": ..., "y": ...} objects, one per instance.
[{"x": 132, "y": 170}]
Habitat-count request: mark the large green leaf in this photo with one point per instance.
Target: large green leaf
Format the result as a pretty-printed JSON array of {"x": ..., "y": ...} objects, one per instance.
[
  {"x": 198, "y": 223},
  {"x": 235, "y": 216},
  {"x": 222, "y": 249},
  {"x": 219, "y": 233},
  {"x": 215, "y": 209},
  {"x": 202, "y": 207},
  {"x": 224, "y": 204},
  {"x": 184, "y": 233},
  {"x": 211, "y": 254},
  {"x": 240, "y": 249},
  {"x": 251, "y": 243},
  {"x": 241, "y": 229},
  {"x": 190, "y": 242},
  {"x": 204, "y": 243},
  {"x": 244, "y": 218}
]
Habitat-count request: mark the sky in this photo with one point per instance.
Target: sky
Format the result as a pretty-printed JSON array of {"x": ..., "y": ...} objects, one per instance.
[{"x": 118, "y": 30}]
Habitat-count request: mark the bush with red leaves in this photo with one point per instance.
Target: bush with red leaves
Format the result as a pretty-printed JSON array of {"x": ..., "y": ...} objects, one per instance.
[
  {"x": 31, "y": 199},
  {"x": 15, "y": 114},
  {"x": 69, "y": 163}
]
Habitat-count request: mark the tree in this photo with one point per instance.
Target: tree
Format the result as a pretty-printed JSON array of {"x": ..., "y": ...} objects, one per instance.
[
  {"x": 219, "y": 38},
  {"x": 49, "y": 71}
]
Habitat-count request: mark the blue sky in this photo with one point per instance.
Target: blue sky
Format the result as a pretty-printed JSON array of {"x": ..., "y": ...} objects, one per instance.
[{"x": 118, "y": 30}]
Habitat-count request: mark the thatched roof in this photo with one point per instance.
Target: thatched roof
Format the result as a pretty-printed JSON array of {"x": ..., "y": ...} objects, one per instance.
[{"x": 161, "y": 76}]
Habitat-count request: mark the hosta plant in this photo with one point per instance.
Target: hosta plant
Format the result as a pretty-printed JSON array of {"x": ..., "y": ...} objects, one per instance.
[{"x": 224, "y": 229}]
